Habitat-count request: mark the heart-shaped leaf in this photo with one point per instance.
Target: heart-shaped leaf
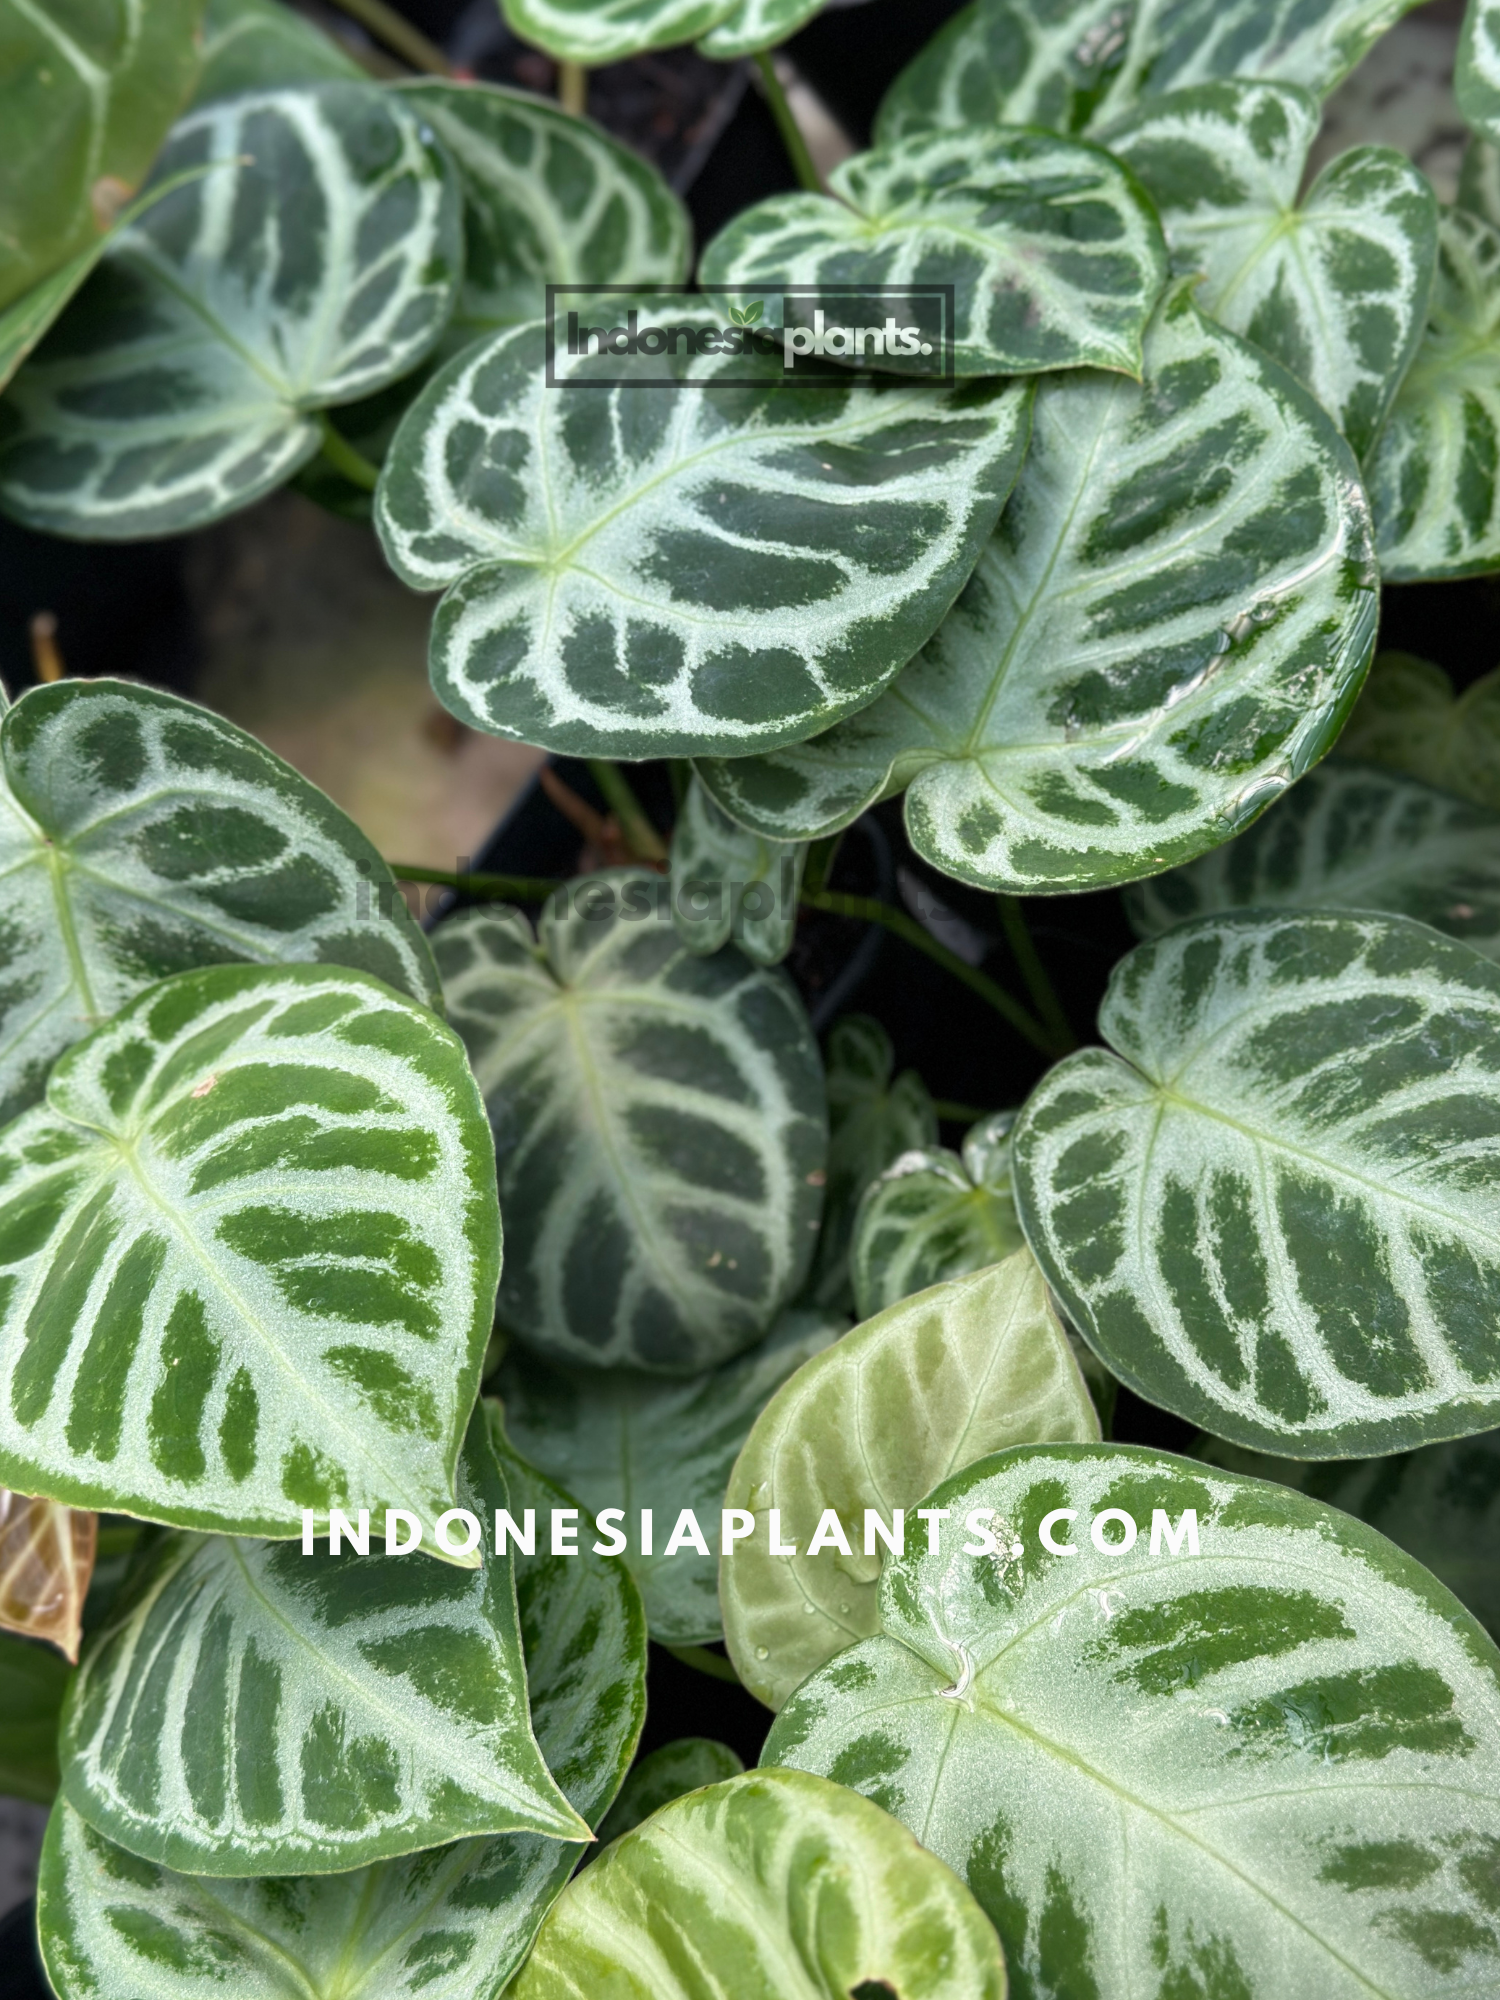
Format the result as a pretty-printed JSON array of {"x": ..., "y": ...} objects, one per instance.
[
  {"x": 251, "y": 1710},
  {"x": 1054, "y": 255},
  {"x": 1476, "y": 74},
  {"x": 548, "y": 199},
  {"x": 33, "y": 1683},
  {"x": 87, "y": 95},
  {"x": 1272, "y": 1210},
  {"x": 642, "y": 573},
  {"x": 141, "y": 835},
  {"x": 769, "y": 1883},
  {"x": 1432, "y": 475},
  {"x": 261, "y": 45},
  {"x": 250, "y": 1246},
  {"x": 934, "y": 1215},
  {"x": 605, "y": 31},
  {"x": 754, "y": 25},
  {"x": 1348, "y": 837},
  {"x": 871, "y": 1423},
  {"x": 1270, "y": 1768},
  {"x": 729, "y": 883},
  {"x": 1408, "y": 719},
  {"x": 317, "y": 263},
  {"x": 1167, "y": 628},
  {"x": 1334, "y": 286},
  {"x": 634, "y": 1442},
  {"x": 658, "y": 1120},
  {"x": 448, "y": 1924},
  {"x": 46, "y": 1561},
  {"x": 684, "y": 1766}
]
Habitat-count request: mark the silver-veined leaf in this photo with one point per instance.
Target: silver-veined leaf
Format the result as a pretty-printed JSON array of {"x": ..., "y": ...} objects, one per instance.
[
  {"x": 1335, "y": 285},
  {"x": 636, "y": 572},
  {"x": 262, "y": 45},
  {"x": 1409, "y": 719},
  {"x": 634, "y": 1442},
  {"x": 317, "y": 263},
  {"x": 33, "y": 1685},
  {"x": 451, "y": 1923},
  {"x": 46, "y": 1563},
  {"x": 768, "y": 1883},
  {"x": 1054, "y": 254},
  {"x": 1476, "y": 73},
  {"x": 141, "y": 835},
  {"x": 756, "y": 24},
  {"x": 1272, "y": 1211},
  {"x": 934, "y": 1215},
  {"x": 658, "y": 1121},
  {"x": 548, "y": 199},
  {"x": 1270, "y": 1768},
  {"x": 873, "y": 1422},
  {"x": 1347, "y": 837},
  {"x": 686, "y": 1765},
  {"x": 604, "y": 31},
  {"x": 248, "y": 1254},
  {"x": 1167, "y": 628},
  {"x": 730, "y": 883},
  {"x": 1433, "y": 476}
]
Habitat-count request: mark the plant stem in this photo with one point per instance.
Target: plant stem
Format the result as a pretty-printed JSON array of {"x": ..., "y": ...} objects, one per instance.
[
  {"x": 868, "y": 910},
  {"x": 641, "y": 837},
  {"x": 1038, "y": 985},
  {"x": 957, "y": 1114},
  {"x": 821, "y": 856},
  {"x": 398, "y": 35},
  {"x": 786, "y": 124},
  {"x": 573, "y": 88},
  {"x": 342, "y": 456},
  {"x": 484, "y": 888},
  {"x": 705, "y": 1662}
]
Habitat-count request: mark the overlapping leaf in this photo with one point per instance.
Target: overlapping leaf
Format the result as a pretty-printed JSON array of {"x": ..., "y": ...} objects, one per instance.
[
  {"x": 318, "y": 262},
  {"x": 548, "y": 199},
  {"x": 640, "y": 573},
  {"x": 249, "y": 1247},
  {"x": 141, "y": 835},
  {"x": 1348, "y": 837},
  {"x": 756, "y": 24},
  {"x": 1409, "y": 719},
  {"x": 634, "y": 1442},
  {"x": 1476, "y": 74},
  {"x": 1335, "y": 285},
  {"x": 604, "y": 31},
  {"x": 1168, "y": 628},
  {"x": 684, "y": 1766},
  {"x": 46, "y": 1562},
  {"x": 1054, "y": 255},
  {"x": 730, "y": 883},
  {"x": 934, "y": 1215},
  {"x": 903, "y": 1401},
  {"x": 262, "y": 45},
  {"x": 1434, "y": 475},
  {"x": 1272, "y": 1768},
  {"x": 769, "y": 1883},
  {"x": 1273, "y": 1210},
  {"x": 658, "y": 1121},
  {"x": 33, "y": 1684}
]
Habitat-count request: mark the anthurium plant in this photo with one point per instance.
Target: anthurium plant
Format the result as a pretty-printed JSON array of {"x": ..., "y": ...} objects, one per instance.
[{"x": 403, "y": 1329}]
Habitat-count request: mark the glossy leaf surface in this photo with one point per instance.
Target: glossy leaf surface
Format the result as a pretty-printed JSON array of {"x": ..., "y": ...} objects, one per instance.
[
  {"x": 1409, "y": 719},
  {"x": 141, "y": 835},
  {"x": 603, "y": 31},
  {"x": 250, "y": 1246},
  {"x": 619, "y": 1439},
  {"x": 634, "y": 572},
  {"x": 933, "y": 1215},
  {"x": 1055, "y": 258},
  {"x": 1272, "y": 1210},
  {"x": 1168, "y": 627},
  {"x": 712, "y": 1895},
  {"x": 185, "y": 379},
  {"x": 756, "y": 24},
  {"x": 900, "y": 1403},
  {"x": 1272, "y": 1768},
  {"x": 46, "y": 1562},
  {"x": 253, "y": 45},
  {"x": 684, "y": 1766},
  {"x": 730, "y": 883},
  {"x": 658, "y": 1121}
]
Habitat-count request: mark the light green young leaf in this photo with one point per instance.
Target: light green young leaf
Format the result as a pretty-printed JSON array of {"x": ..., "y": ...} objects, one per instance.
[
  {"x": 1409, "y": 719},
  {"x": 548, "y": 199},
  {"x": 451, "y": 1923},
  {"x": 659, "y": 1124},
  {"x": 903, "y": 1401},
  {"x": 677, "y": 1768},
  {"x": 769, "y": 1883},
  {"x": 261, "y": 45},
  {"x": 250, "y": 1246},
  {"x": 1167, "y": 629},
  {"x": 1272, "y": 1768},
  {"x": 618, "y": 1439},
  {"x": 756, "y": 24},
  {"x": 250, "y": 1710},
  {"x": 1272, "y": 1211},
  {"x": 1432, "y": 475},
  {"x": 1348, "y": 837},
  {"x": 639, "y": 573},
  {"x": 33, "y": 1682},
  {"x": 730, "y": 883},
  {"x": 1334, "y": 286},
  {"x": 141, "y": 835},
  {"x": 1476, "y": 74},
  {"x": 933, "y": 1215},
  {"x": 605, "y": 31},
  {"x": 87, "y": 92},
  {"x": 1054, "y": 255},
  {"x": 186, "y": 378}
]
